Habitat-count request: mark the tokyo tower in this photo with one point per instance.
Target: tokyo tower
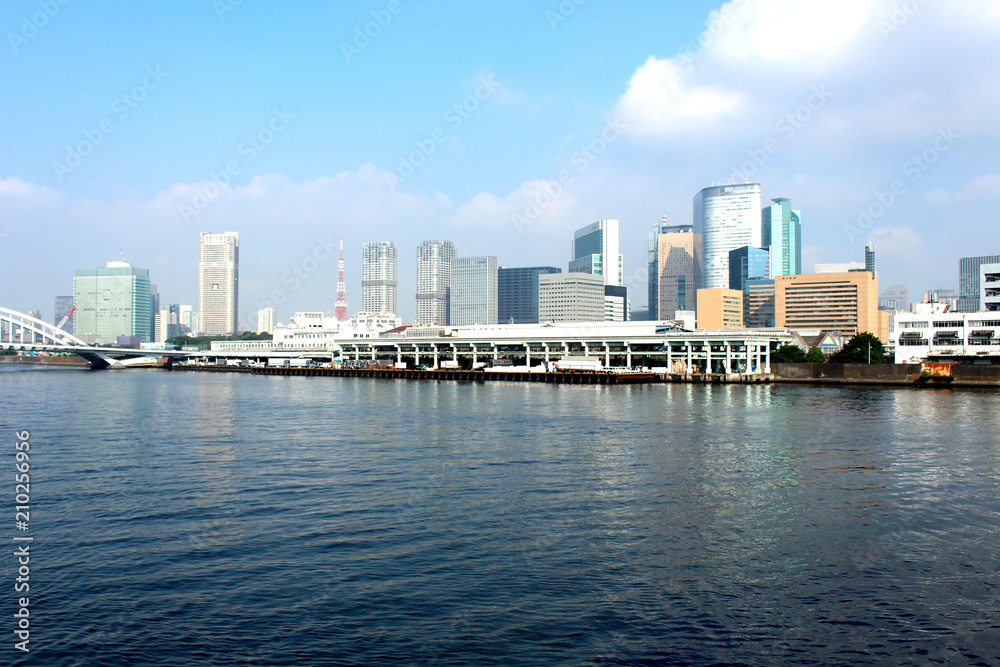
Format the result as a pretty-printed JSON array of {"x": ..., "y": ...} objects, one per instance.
[{"x": 340, "y": 312}]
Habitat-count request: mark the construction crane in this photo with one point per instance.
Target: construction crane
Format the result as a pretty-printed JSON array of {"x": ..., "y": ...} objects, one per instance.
[{"x": 65, "y": 317}]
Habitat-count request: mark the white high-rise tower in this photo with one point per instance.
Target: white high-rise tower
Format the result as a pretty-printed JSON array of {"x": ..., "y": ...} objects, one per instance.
[
  {"x": 218, "y": 283},
  {"x": 378, "y": 284},
  {"x": 726, "y": 217}
]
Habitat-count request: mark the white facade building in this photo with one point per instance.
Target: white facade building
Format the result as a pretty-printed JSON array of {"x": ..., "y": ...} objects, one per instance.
[
  {"x": 570, "y": 297},
  {"x": 989, "y": 287},
  {"x": 218, "y": 283},
  {"x": 434, "y": 281},
  {"x": 378, "y": 283},
  {"x": 935, "y": 333},
  {"x": 315, "y": 331},
  {"x": 726, "y": 217},
  {"x": 839, "y": 267},
  {"x": 266, "y": 320}
]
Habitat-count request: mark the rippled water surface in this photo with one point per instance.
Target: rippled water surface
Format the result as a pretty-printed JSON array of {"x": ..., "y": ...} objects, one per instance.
[{"x": 189, "y": 518}]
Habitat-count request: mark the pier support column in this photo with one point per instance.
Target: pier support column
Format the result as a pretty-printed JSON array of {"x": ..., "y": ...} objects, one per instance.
[
  {"x": 767, "y": 359},
  {"x": 708, "y": 357},
  {"x": 689, "y": 356},
  {"x": 628, "y": 353},
  {"x": 607, "y": 354},
  {"x": 729, "y": 359},
  {"x": 527, "y": 355},
  {"x": 670, "y": 357}
]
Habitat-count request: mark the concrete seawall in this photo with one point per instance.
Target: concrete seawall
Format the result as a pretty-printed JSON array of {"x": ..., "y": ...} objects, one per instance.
[{"x": 909, "y": 375}]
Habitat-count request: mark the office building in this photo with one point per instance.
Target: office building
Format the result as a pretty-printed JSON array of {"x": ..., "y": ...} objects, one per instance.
[
  {"x": 846, "y": 302},
  {"x": 64, "y": 304},
  {"x": 473, "y": 291},
  {"x": 434, "y": 281},
  {"x": 989, "y": 290},
  {"x": 949, "y": 297},
  {"x": 219, "y": 283},
  {"x": 677, "y": 271},
  {"x": 895, "y": 297},
  {"x": 168, "y": 323},
  {"x": 616, "y": 304},
  {"x": 870, "y": 258},
  {"x": 570, "y": 297},
  {"x": 726, "y": 217},
  {"x": 596, "y": 251},
  {"x": 720, "y": 308},
  {"x": 112, "y": 301},
  {"x": 266, "y": 320},
  {"x": 378, "y": 284},
  {"x": 185, "y": 319},
  {"x": 968, "y": 281},
  {"x": 758, "y": 304},
  {"x": 517, "y": 293},
  {"x": 933, "y": 332},
  {"x": 748, "y": 263},
  {"x": 781, "y": 236},
  {"x": 653, "y": 269}
]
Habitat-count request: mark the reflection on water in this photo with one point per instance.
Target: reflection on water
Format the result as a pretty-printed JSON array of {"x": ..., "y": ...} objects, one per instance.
[{"x": 218, "y": 519}]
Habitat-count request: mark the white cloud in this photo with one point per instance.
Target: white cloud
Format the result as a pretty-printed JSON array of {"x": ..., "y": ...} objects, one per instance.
[{"x": 981, "y": 187}]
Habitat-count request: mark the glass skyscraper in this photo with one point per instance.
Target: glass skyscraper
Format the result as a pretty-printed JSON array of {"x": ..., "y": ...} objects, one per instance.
[
  {"x": 473, "y": 291},
  {"x": 726, "y": 217},
  {"x": 781, "y": 234},
  {"x": 112, "y": 301},
  {"x": 747, "y": 263},
  {"x": 968, "y": 282},
  {"x": 517, "y": 296},
  {"x": 596, "y": 251}
]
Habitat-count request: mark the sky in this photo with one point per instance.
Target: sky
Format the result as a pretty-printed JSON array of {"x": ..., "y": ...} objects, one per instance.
[{"x": 132, "y": 127}]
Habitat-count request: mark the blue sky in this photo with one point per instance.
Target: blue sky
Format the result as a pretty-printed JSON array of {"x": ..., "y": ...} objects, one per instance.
[{"x": 881, "y": 106}]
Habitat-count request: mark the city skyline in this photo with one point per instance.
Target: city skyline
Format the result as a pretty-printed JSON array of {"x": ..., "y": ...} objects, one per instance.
[{"x": 675, "y": 98}]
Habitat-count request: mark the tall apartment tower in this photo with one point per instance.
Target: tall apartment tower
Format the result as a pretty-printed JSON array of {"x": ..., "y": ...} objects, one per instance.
[
  {"x": 781, "y": 235},
  {"x": 378, "y": 284},
  {"x": 726, "y": 217},
  {"x": 473, "y": 291},
  {"x": 968, "y": 282},
  {"x": 596, "y": 251},
  {"x": 678, "y": 271},
  {"x": 434, "y": 281},
  {"x": 219, "y": 283}
]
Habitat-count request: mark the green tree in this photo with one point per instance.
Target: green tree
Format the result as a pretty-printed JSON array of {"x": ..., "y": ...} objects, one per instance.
[
  {"x": 864, "y": 348},
  {"x": 789, "y": 354},
  {"x": 815, "y": 356}
]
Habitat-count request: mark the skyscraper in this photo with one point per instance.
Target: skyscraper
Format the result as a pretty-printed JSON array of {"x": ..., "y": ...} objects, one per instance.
[
  {"x": 218, "y": 283},
  {"x": 726, "y": 217},
  {"x": 112, "y": 301},
  {"x": 653, "y": 268},
  {"x": 64, "y": 304},
  {"x": 678, "y": 271},
  {"x": 378, "y": 284},
  {"x": 570, "y": 297},
  {"x": 747, "y": 263},
  {"x": 517, "y": 293},
  {"x": 266, "y": 320},
  {"x": 595, "y": 251},
  {"x": 473, "y": 291},
  {"x": 434, "y": 281},
  {"x": 781, "y": 235},
  {"x": 968, "y": 282},
  {"x": 870, "y": 258}
]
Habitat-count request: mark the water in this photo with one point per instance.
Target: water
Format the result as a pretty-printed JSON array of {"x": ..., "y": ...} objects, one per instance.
[{"x": 194, "y": 518}]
